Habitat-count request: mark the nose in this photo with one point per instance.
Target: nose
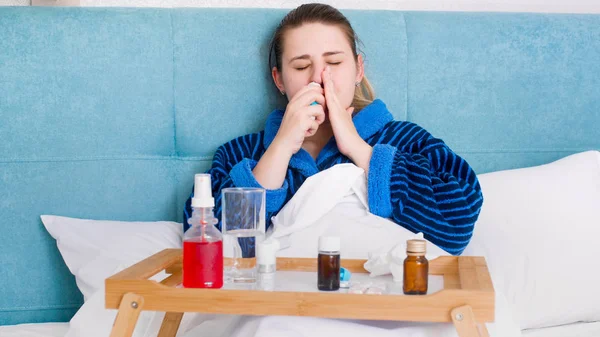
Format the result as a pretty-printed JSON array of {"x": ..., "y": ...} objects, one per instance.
[{"x": 316, "y": 75}]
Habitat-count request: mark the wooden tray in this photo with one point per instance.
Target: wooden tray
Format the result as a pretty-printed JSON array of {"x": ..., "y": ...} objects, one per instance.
[{"x": 467, "y": 299}]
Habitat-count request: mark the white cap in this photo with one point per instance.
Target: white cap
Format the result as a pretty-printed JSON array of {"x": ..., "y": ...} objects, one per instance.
[
  {"x": 202, "y": 191},
  {"x": 265, "y": 252},
  {"x": 329, "y": 243}
]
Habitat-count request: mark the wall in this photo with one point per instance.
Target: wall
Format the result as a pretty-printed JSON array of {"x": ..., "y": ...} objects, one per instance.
[{"x": 556, "y": 6}]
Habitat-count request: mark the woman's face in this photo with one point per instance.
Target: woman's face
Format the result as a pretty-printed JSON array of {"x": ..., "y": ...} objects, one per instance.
[{"x": 307, "y": 50}]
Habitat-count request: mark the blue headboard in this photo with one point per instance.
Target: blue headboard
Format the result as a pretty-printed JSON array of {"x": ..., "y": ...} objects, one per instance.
[{"x": 108, "y": 112}]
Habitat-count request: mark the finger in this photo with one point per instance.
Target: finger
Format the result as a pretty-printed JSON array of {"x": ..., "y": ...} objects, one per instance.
[
  {"x": 328, "y": 84},
  {"x": 317, "y": 113},
  {"x": 313, "y": 86},
  {"x": 314, "y": 126},
  {"x": 329, "y": 88},
  {"x": 300, "y": 92},
  {"x": 310, "y": 96}
]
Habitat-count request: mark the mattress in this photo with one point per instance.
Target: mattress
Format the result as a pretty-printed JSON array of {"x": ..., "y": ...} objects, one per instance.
[
  {"x": 569, "y": 330},
  {"x": 60, "y": 330},
  {"x": 35, "y": 330}
]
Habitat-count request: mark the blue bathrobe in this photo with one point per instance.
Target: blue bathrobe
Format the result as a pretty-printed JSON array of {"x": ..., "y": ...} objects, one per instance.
[{"x": 414, "y": 179}]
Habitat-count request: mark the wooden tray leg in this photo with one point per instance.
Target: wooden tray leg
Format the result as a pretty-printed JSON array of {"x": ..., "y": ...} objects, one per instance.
[
  {"x": 170, "y": 324},
  {"x": 129, "y": 312},
  {"x": 465, "y": 323}
]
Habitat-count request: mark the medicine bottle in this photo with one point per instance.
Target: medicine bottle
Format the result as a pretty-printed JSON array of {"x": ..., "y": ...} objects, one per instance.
[
  {"x": 416, "y": 268},
  {"x": 202, "y": 243},
  {"x": 328, "y": 278}
]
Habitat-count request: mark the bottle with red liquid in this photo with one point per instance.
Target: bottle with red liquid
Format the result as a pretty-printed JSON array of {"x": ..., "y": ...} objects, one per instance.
[{"x": 202, "y": 243}]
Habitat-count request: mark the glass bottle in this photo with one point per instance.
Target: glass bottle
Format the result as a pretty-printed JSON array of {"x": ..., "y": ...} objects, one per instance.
[
  {"x": 328, "y": 278},
  {"x": 202, "y": 243},
  {"x": 416, "y": 268}
]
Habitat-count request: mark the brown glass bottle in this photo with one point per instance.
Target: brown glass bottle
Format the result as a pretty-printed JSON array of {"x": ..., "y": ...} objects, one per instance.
[
  {"x": 328, "y": 270},
  {"x": 416, "y": 268}
]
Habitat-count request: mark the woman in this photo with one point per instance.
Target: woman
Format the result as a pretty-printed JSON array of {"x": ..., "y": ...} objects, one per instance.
[{"x": 413, "y": 178}]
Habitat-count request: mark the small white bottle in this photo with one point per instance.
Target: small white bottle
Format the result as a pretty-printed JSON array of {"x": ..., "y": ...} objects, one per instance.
[
  {"x": 267, "y": 263},
  {"x": 266, "y": 256}
]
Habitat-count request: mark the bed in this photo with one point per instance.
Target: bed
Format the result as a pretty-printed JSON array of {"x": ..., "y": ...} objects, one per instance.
[{"x": 108, "y": 112}]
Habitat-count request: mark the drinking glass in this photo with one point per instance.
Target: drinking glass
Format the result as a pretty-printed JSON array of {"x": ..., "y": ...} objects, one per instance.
[{"x": 243, "y": 224}]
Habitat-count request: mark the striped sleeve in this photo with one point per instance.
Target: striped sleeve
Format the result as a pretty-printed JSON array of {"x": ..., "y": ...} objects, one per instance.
[
  {"x": 425, "y": 187},
  {"x": 232, "y": 166}
]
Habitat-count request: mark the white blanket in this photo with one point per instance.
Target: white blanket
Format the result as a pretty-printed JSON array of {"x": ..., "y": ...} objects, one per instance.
[{"x": 334, "y": 202}]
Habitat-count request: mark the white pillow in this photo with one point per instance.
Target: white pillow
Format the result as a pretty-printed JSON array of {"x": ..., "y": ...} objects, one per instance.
[
  {"x": 82, "y": 241},
  {"x": 94, "y": 250},
  {"x": 538, "y": 229},
  {"x": 93, "y": 320}
]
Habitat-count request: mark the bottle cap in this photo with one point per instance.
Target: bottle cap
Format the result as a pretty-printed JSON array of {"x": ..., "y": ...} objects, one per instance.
[
  {"x": 202, "y": 191},
  {"x": 329, "y": 243},
  {"x": 416, "y": 246},
  {"x": 265, "y": 255},
  {"x": 345, "y": 274}
]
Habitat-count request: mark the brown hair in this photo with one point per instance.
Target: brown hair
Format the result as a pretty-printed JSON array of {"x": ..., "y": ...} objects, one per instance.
[{"x": 325, "y": 14}]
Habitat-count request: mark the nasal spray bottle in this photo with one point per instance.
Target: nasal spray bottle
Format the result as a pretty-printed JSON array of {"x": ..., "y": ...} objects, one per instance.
[{"x": 202, "y": 243}]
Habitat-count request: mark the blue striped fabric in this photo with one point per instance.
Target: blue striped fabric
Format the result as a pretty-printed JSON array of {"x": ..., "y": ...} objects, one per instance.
[{"x": 414, "y": 178}]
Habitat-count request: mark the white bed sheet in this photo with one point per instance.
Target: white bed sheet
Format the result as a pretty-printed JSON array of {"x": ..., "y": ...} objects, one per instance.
[
  {"x": 569, "y": 330},
  {"x": 60, "y": 329},
  {"x": 35, "y": 330}
]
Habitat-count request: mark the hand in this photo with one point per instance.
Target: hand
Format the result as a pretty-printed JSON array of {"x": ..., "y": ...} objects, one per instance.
[
  {"x": 347, "y": 138},
  {"x": 301, "y": 119}
]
